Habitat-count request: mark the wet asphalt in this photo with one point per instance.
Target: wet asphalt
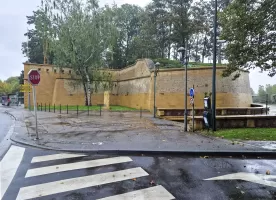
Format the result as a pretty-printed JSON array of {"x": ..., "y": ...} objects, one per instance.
[
  {"x": 182, "y": 176},
  {"x": 5, "y": 123}
]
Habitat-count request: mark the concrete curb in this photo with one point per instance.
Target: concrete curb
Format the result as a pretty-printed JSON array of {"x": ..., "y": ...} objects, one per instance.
[
  {"x": 8, "y": 113},
  {"x": 156, "y": 152}
]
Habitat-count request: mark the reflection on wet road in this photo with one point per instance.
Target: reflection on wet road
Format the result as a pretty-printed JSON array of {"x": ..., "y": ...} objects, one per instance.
[
  {"x": 54, "y": 175},
  {"x": 5, "y": 123}
]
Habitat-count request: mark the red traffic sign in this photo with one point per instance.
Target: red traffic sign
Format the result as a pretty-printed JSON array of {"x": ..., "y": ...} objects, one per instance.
[{"x": 34, "y": 77}]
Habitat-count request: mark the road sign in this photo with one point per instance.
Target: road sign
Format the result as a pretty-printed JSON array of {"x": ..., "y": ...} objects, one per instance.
[
  {"x": 25, "y": 88},
  {"x": 34, "y": 77},
  {"x": 192, "y": 101},
  {"x": 192, "y": 92}
]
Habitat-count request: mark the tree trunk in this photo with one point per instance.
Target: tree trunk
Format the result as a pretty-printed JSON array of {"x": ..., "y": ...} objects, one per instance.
[
  {"x": 85, "y": 93},
  {"x": 169, "y": 45},
  {"x": 88, "y": 88},
  {"x": 219, "y": 54}
]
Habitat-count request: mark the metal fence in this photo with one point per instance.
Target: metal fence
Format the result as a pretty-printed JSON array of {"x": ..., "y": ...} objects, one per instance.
[{"x": 80, "y": 110}]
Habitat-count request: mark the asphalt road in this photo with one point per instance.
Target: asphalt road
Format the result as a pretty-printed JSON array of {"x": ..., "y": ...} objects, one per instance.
[
  {"x": 136, "y": 176},
  {"x": 5, "y": 123}
]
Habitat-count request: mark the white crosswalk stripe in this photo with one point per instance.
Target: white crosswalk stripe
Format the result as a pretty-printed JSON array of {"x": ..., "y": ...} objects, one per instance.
[
  {"x": 8, "y": 167},
  {"x": 79, "y": 165},
  {"x": 152, "y": 193},
  {"x": 71, "y": 184},
  {"x": 56, "y": 157},
  {"x": 78, "y": 183}
]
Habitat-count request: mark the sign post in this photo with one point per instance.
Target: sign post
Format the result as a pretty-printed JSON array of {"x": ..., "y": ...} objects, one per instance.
[
  {"x": 34, "y": 79},
  {"x": 192, "y": 94}
]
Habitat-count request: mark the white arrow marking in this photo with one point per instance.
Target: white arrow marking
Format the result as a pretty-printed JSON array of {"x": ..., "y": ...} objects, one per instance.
[{"x": 251, "y": 177}]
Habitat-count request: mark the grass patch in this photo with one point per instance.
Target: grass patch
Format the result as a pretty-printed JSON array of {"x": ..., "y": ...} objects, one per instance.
[
  {"x": 83, "y": 108},
  {"x": 266, "y": 134},
  {"x": 166, "y": 63}
]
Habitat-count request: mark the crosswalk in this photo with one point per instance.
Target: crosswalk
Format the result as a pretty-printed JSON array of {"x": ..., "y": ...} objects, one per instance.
[{"x": 40, "y": 190}]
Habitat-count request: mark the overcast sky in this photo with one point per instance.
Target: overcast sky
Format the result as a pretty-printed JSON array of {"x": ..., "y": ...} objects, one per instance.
[{"x": 13, "y": 26}]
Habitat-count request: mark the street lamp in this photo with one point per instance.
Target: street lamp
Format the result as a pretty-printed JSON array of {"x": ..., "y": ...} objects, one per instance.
[
  {"x": 214, "y": 127},
  {"x": 184, "y": 57},
  {"x": 156, "y": 69}
]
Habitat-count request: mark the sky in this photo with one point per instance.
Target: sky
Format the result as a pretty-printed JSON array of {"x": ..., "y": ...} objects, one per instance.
[{"x": 13, "y": 26}]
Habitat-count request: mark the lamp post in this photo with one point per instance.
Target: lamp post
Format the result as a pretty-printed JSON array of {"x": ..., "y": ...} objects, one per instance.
[
  {"x": 214, "y": 126},
  {"x": 184, "y": 56},
  {"x": 156, "y": 68}
]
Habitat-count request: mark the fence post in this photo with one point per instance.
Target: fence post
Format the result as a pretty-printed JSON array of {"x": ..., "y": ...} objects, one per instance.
[
  {"x": 54, "y": 108},
  {"x": 59, "y": 108},
  {"x": 49, "y": 108},
  {"x": 67, "y": 108},
  {"x": 77, "y": 109},
  {"x": 88, "y": 110},
  {"x": 140, "y": 112},
  {"x": 41, "y": 107}
]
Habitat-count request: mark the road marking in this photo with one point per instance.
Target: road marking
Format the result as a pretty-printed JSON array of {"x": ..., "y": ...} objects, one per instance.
[
  {"x": 78, "y": 165},
  {"x": 251, "y": 177},
  {"x": 9, "y": 165},
  {"x": 78, "y": 183},
  {"x": 56, "y": 157},
  {"x": 157, "y": 192}
]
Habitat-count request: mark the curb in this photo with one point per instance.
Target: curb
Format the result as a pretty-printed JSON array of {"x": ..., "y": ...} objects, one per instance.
[
  {"x": 8, "y": 113},
  {"x": 158, "y": 153}
]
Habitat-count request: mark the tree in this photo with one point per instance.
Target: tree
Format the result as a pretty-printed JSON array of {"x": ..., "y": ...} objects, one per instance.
[
  {"x": 10, "y": 86},
  {"x": 249, "y": 27},
  {"x": 128, "y": 24},
  {"x": 252, "y": 91},
  {"x": 79, "y": 38},
  {"x": 37, "y": 49}
]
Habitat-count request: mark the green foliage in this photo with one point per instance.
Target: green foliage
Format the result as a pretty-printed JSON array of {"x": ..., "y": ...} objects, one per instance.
[
  {"x": 37, "y": 49},
  {"x": 10, "y": 86},
  {"x": 265, "y": 92},
  {"x": 249, "y": 27}
]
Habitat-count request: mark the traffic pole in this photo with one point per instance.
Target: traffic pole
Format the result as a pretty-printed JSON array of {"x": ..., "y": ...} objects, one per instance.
[{"x": 35, "y": 108}]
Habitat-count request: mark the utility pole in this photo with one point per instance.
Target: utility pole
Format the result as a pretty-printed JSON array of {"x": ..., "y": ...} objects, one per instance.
[{"x": 214, "y": 70}]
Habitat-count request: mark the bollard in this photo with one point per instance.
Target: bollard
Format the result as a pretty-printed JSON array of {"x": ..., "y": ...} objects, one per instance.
[
  {"x": 88, "y": 110},
  {"x": 77, "y": 109},
  {"x": 37, "y": 106},
  {"x": 67, "y": 109},
  {"x": 41, "y": 107},
  {"x": 54, "y": 108},
  {"x": 49, "y": 108},
  {"x": 100, "y": 110},
  {"x": 140, "y": 112},
  {"x": 45, "y": 108},
  {"x": 59, "y": 108}
]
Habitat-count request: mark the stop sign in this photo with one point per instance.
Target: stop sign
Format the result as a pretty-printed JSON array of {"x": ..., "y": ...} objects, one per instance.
[{"x": 34, "y": 77}]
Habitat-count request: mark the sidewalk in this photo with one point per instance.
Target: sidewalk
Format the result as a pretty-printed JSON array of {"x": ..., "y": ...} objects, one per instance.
[{"x": 117, "y": 132}]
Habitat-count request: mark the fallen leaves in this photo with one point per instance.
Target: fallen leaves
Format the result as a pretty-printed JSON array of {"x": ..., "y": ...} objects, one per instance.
[
  {"x": 134, "y": 179},
  {"x": 267, "y": 172},
  {"x": 152, "y": 182},
  {"x": 204, "y": 157}
]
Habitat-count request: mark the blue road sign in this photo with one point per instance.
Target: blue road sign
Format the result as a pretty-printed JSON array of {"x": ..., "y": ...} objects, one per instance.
[{"x": 192, "y": 92}]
